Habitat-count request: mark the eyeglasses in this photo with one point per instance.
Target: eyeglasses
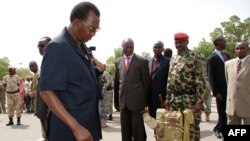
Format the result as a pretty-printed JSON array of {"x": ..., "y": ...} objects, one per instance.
[{"x": 91, "y": 29}]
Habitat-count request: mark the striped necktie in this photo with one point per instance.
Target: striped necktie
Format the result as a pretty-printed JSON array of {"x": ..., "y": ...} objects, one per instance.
[{"x": 238, "y": 66}]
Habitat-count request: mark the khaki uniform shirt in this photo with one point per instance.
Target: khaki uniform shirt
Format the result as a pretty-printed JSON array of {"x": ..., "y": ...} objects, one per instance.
[{"x": 12, "y": 82}]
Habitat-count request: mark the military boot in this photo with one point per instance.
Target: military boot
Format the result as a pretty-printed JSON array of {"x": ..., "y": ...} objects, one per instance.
[
  {"x": 10, "y": 122},
  {"x": 110, "y": 117},
  {"x": 18, "y": 120}
]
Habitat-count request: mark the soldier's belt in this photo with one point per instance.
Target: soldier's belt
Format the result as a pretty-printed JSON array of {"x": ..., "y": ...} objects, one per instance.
[{"x": 188, "y": 91}]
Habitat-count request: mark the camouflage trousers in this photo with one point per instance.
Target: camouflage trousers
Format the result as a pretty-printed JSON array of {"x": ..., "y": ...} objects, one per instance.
[
  {"x": 108, "y": 102},
  {"x": 13, "y": 105},
  {"x": 102, "y": 110},
  {"x": 207, "y": 99},
  {"x": 188, "y": 102},
  {"x": 106, "y": 105}
]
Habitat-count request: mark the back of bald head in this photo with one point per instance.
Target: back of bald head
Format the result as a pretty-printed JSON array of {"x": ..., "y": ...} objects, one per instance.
[
  {"x": 159, "y": 44},
  {"x": 127, "y": 41},
  {"x": 168, "y": 52},
  {"x": 32, "y": 63}
]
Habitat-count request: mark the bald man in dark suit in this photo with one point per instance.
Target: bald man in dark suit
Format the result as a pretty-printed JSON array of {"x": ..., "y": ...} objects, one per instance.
[
  {"x": 158, "y": 68},
  {"x": 132, "y": 84}
]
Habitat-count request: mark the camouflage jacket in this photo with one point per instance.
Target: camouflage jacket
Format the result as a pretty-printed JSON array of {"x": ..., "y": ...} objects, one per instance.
[
  {"x": 108, "y": 85},
  {"x": 186, "y": 75}
]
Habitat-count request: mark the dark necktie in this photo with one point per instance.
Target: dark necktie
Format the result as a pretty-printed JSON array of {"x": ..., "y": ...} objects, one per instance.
[
  {"x": 238, "y": 66},
  {"x": 224, "y": 56},
  {"x": 154, "y": 65}
]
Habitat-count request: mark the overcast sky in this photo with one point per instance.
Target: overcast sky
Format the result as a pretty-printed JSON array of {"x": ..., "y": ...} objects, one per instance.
[{"x": 24, "y": 22}]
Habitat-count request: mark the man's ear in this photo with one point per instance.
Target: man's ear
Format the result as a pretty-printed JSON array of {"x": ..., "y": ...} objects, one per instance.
[{"x": 76, "y": 21}]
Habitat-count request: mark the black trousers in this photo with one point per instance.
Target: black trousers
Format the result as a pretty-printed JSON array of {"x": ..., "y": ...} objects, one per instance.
[
  {"x": 132, "y": 125},
  {"x": 222, "y": 116}
]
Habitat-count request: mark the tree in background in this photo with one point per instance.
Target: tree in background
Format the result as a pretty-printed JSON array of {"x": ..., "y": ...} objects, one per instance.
[
  {"x": 21, "y": 72},
  {"x": 233, "y": 30},
  {"x": 146, "y": 55},
  {"x": 110, "y": 63},
  {"x": 205, "y": 48},
  {"x": 4, "y": 63}
]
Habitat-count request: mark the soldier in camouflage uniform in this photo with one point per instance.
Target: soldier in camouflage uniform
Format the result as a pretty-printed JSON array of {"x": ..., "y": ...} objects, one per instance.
[
  {"x": 108, "y": 94},
  {"x": 102, "y": 114},
  {"x": 186, "y": 85},
  {"x": 207, "y": 97}
]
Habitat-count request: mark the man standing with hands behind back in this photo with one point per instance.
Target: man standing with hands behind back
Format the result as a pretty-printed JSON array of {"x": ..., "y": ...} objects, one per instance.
[
  {"x": 217, "y": 81},
  {"x": 68, "y": 81},
  {"x": 132, "y": 83}
]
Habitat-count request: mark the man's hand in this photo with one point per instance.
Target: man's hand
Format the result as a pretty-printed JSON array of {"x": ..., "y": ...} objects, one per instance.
[
  {"x": 218, "y": 97},
  {"x": 167, "y": 105},
  {"x": 161, "y": 101},
  {"x": 198, "y": 107},
  {"x": 82, "y": 134}
]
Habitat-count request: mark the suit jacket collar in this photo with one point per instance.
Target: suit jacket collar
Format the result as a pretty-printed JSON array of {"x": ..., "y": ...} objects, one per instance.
[
  {"x": 218, "y": 57},
  {"x": 157, "y": 66},
  {"x": 131, "y": 64},
  {"x": 245, "y": 64}
]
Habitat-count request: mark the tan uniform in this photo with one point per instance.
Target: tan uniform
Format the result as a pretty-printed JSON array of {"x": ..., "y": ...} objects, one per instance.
[
  {"x": 34, "y": 87},
  {"x": 12, "y": 93},
  {"x": 2, "y": 98}
]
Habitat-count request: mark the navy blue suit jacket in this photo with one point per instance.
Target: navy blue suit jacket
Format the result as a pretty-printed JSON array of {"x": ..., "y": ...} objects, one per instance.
[
  {"x": 158, "y": 80},
  {"x": 216, "y": 74},
  {"x": 69, "y": 73}
]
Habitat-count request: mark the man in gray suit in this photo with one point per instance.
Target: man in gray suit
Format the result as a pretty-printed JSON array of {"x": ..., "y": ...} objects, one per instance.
[
  {"x": 237, "y": 75},
  {"x": 132, "y": 84}
]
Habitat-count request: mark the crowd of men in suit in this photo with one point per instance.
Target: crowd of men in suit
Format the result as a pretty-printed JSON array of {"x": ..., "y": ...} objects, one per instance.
[{"x": 180, "y": 84}]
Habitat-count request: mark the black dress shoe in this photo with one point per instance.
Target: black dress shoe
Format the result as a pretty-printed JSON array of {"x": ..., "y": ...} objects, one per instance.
[
  {"x": 218, "y": 134},
  {"x": 110, "y": 117}
]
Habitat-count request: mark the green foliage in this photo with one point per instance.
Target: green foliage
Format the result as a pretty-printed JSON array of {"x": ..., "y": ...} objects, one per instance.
[
  {"x": 4, "y": 63},
  {"x": 204, "y": 47},
  {"x": 111, "y": 60},
  {"x": 23, "y": 72},
  {"x": 146, "y": 55},
  {"x": 234, "y": 30}
]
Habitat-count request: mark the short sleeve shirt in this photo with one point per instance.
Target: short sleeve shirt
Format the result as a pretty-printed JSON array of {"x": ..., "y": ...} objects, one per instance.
[{"x": 11, "y": 82}]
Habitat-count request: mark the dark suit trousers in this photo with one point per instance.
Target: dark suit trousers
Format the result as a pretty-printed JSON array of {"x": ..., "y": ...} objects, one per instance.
[
  {"x": 222, "y": 119},
  {"x": 44, "y": 125},
  {"x": 132, "y": 125}
]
